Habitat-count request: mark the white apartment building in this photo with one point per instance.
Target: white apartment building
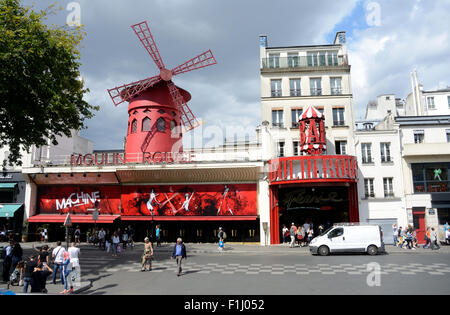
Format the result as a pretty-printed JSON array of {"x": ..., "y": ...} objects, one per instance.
[
  {"x": 425, "y": 147},
  {"x": 293, "y": 78},
  {"x": 380, "y": 185}
]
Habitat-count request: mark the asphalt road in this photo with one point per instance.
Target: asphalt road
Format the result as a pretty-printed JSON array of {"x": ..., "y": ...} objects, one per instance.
[{"x": 254, "y": 270}]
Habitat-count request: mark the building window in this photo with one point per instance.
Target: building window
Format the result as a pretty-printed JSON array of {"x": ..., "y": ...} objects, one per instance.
[
  {"x": 431, "y": 177},
  {"x": 322, "y": 58},
  {"x": 369, "y": 192},
  {"x": 293, "y": 60},
  {"x": 275, "y": 88},
  {"x": 336, "y": 86},
  {"x": 385, "y": 148},
  {"x": 430, "y": 103},
  {"x": 274, "y": 60},
  {"x": 173, "y": 129},
  {"x": 419, "y": 136},
  {"x": 338, "y": 117},
  {"x": 280, "y": 149},
  {"x": 277, "y": 118},
  {"x": 161, "y": 124},
  {"x": 366, "y": 150},
  {"x": 388, "y": 190},
  {"x": 316, "y": 86},
  {"x": 341, "y": 147},
  {"x": 296, "y": 145},
  {"x": 296, "y": 115},
  {"x": 294, "y": 85},
  {"x": 146, "y": 124},
  {"x": 134, "y": 126},
  {"x": 448, "y": 134}
]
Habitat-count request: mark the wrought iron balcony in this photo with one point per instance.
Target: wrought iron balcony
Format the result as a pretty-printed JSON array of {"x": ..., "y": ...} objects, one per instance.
[
  {"x": 303, "y": 62},
  {"x": 320, "y": 168}
]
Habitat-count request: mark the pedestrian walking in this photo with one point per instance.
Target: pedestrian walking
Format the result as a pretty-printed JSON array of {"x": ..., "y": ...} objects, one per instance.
[
  {"x": 147, "y": 256},
  {"x": 310, "y": 235},
  {"x": 303, "y": 236},
  {"x": 292, "y": 232},
  {"x": 115, "y": 244},
  {"x": 158, "y": 235},
  {"x": 299, "y": 236},
  {"x": 16, "y": 256},
  {"x": 125, "y": 238},
  {"x": 101, "y": 238},
  {"x": 408, "y": 240},
  {"x": 434, "y": 239},
  {"x": 43, "y": 254},
  {"x": 77, "y": 235},
  {"x": 131, "y": 236},
  {"x": 285, "y": 232},
  {"x": 58, "y": 257},
  {"x": 39, "y": 278},
  {"x": 74, "y": 253},
  {"x": 67, "y": 272},
  {"x": 179, "y": 252},
  {"x": 395, "y": 234},
  {"x": 7, "y": 260},
  {"x": 108, "y": 241},
  {"x": 427, "y": 238}
]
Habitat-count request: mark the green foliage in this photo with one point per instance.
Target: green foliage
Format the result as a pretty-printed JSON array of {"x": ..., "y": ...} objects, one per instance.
[{"x": 41, "y": 91}]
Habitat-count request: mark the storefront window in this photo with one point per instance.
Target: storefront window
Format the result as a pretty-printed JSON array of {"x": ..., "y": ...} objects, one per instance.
[{"x": 431, "y": 177}]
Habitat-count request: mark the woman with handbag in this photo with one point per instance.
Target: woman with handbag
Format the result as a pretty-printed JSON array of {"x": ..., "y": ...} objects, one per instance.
[{"x": 147, "y": 256}]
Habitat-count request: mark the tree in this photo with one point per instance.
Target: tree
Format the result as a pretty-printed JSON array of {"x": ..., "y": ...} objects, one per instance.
[{"x": 41, "y": 91}]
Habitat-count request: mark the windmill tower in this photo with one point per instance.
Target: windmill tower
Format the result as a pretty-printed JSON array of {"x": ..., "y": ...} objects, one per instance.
[{"x": 158, "y": 113}]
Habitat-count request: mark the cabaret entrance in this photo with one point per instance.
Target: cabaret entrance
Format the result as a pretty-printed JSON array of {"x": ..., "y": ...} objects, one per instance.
[{"x": 321, "y": 190}]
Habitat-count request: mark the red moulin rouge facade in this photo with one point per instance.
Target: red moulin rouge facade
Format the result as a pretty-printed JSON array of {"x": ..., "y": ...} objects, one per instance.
[
  {"x": 314, "y": 180},
  {"x": 153, "y": 201}
]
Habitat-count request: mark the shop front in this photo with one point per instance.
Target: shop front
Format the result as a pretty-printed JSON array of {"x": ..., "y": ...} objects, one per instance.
[
  {"x": 189, "y": 207},
  {"x": 316, "y": 189}
]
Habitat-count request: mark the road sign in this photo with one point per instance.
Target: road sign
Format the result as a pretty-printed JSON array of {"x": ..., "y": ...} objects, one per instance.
[{"x": 68, "y": 220}]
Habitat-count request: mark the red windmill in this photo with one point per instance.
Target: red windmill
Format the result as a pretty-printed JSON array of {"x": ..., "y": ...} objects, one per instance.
[{"x": 155, "y": 103}]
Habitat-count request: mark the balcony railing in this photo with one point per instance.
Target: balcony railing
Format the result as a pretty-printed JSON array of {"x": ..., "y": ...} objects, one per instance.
[
  {"x": 303, "y": 62},
  {"x": 313, "y": 168}
]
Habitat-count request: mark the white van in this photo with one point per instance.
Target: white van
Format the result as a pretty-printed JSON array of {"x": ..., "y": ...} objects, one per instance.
[{"x": 349, "y": 237}]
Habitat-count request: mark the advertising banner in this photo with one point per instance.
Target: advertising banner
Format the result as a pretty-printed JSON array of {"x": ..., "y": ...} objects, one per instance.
[
  {"x": 78, "y": 199},
  {"x": 190, "y": 200}
]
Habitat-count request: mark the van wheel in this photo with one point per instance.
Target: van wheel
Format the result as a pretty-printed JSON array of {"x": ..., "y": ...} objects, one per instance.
[
  {"x": 324, "y": 251},
  {"x": 372, "y": 250}
]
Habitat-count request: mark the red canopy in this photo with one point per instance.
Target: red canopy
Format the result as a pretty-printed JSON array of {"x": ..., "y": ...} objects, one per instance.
[{"x": 75, "y": 218}]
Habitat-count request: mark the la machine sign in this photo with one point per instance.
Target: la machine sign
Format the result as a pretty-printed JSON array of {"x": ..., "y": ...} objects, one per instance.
[{"x": 101, "y": 159}]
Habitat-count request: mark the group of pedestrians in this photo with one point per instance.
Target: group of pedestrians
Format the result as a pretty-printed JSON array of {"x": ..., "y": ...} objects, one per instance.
[
  {"x": 34, "y": 271},
  {"x": 114, "y": 241},
  {"x": 301, "y": 235},
  {"x": 406, "y": 238}
]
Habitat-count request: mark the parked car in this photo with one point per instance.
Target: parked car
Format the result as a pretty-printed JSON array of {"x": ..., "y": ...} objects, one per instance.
[{"x": 348, "y": 237}]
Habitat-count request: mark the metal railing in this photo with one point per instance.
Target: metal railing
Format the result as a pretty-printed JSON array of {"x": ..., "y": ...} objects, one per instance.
[{"x": 304, "y": 62}]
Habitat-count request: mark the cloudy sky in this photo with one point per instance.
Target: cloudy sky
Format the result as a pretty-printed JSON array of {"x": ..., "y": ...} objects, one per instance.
[{"x": 386, "y": 40}]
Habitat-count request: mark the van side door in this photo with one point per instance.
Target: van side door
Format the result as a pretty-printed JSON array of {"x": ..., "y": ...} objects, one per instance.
[{"x": 336, "y": 239}]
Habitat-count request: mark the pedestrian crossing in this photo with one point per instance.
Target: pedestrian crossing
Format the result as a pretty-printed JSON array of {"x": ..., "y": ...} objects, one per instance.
[{"x": 280, "y": 269}]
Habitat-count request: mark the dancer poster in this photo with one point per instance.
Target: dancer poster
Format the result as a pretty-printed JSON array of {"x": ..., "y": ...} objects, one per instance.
[{"x": 190, "y": 200}]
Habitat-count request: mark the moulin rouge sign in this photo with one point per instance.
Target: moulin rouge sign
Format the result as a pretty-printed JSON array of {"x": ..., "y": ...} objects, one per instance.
[{"x": 116, "y": 158}]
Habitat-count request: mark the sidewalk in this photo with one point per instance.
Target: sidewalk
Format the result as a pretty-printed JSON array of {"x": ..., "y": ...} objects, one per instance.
[{"x": 244, "y": 248}]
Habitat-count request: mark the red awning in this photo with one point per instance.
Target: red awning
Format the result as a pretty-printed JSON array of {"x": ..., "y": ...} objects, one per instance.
[
  {"x": 189, "y": 218},
  {"x": 75, "y": 218}
]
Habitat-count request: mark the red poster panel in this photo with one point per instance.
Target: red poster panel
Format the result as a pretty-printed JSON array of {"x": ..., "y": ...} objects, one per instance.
[
  {"x": 78, "y": 199},
  {"x": 190, "y": 200}
]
